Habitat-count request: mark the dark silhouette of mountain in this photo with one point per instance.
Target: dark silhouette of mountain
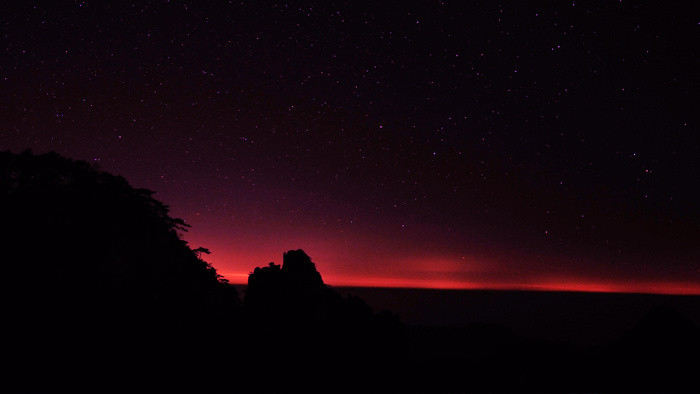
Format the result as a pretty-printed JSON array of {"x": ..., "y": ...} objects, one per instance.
[
  {"x": 100, "y": 292},
  {"x": 307, "y": 326},
  {"x": 98, "y": 288},
  {"x": 294, "y": 290}
]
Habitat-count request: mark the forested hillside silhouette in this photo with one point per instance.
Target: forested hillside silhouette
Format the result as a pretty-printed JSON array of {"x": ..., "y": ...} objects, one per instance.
[
  {"x": 98, "y": 285},
  {"x": 100, "y": 292}
]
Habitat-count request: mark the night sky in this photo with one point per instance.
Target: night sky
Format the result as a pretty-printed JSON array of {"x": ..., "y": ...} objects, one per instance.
[{"x": 511, "y": 144}]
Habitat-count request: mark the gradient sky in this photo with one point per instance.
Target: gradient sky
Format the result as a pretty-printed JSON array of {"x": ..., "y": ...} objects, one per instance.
[{"x": 511, "y": 144}]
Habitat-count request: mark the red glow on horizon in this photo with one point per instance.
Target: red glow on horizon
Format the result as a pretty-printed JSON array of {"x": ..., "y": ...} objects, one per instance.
[
  {"x": 390, "y": 266},
  {"x": 667, "y": 288}
]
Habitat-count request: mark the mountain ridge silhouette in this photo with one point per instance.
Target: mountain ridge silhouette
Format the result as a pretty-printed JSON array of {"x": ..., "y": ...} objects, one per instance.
[{"x": 99, "y": 292}]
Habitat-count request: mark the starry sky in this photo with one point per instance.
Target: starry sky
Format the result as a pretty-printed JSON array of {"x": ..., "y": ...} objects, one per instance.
[{"x": 491, "y": 144}]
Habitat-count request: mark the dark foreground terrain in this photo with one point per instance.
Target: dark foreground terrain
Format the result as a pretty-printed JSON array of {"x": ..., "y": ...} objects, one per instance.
[
  {"x": 463, "y": 340},
  {"x": 101, "y": 293},
  {"x": 581, "y": 318}
]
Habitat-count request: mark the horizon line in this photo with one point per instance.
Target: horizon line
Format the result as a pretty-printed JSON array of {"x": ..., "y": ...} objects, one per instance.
[{"x": 661, "y": 288}]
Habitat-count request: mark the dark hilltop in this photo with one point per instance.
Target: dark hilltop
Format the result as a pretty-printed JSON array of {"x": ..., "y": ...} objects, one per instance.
[{"x": 101, "y": 293}]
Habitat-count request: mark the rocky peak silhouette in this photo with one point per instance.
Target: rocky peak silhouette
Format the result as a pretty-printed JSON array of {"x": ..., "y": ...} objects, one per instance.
[
  {"x": 296, "y": 288},
  {"x": 297, "y": 266},
  {"x": 297, "y": 273},
  {"x": 307, "y": 325}
]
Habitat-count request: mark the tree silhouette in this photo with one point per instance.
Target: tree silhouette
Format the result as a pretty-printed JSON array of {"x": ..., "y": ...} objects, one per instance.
[
  {"x": 98, "y": 291},
  {"x": 97, "y": 278}
]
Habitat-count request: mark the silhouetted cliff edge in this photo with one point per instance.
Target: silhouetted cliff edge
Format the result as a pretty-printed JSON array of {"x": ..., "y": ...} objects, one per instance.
[
  {"x": 98, "y": 290},
  {"x": 301, "y": 325},
  {"x": 100, "y": 293}
]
